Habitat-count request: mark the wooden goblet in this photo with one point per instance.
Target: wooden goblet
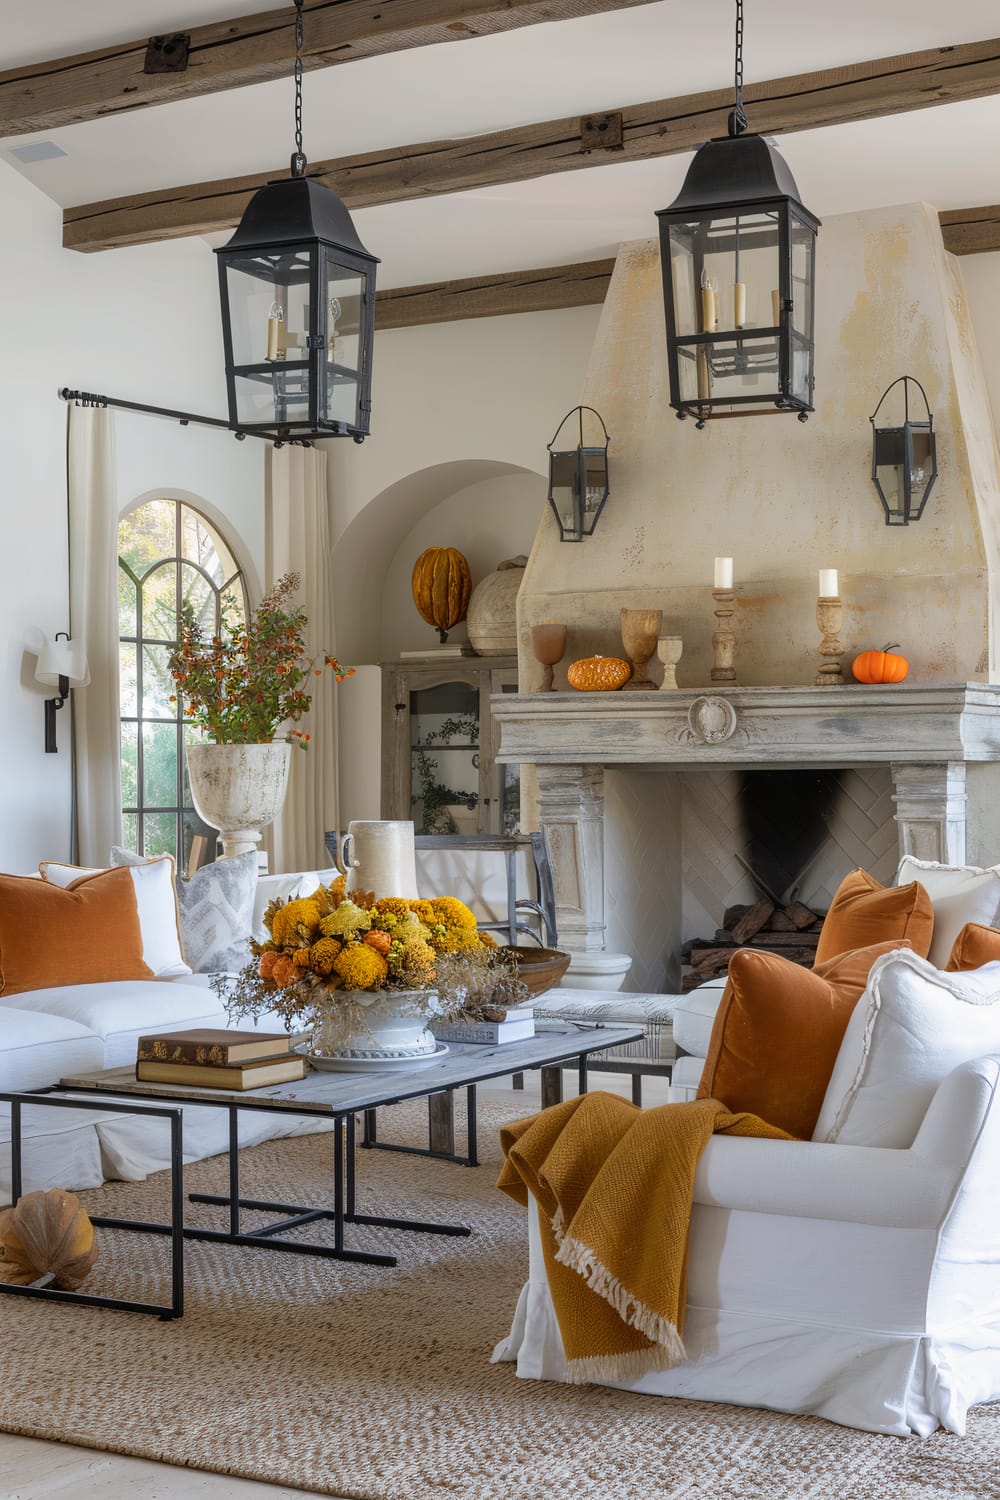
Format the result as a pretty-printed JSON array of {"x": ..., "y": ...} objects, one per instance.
[
  {"x": 640, "y": 629},
  {"x": 548, "y": 642}
]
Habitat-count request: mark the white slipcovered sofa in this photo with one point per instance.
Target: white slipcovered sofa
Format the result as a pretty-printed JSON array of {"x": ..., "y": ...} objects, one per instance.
[{"x": 49, "y": 1034}]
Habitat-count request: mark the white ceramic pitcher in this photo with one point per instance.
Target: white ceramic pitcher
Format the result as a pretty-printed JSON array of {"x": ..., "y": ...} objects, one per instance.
[{"x": 379, "y": 856}]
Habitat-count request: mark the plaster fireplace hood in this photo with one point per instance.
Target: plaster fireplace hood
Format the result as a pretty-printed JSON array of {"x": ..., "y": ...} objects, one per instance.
[{"x": 632, "y": 786}]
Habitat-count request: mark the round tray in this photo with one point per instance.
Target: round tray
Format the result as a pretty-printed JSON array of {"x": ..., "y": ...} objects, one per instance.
[{"x": 374, "y": 1064}]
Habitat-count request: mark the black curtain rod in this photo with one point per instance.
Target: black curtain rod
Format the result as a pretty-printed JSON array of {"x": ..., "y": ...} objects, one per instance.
[{"x": 88, "y": 398}]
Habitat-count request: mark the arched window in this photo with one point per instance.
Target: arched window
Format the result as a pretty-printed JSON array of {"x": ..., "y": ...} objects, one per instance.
[{"x": 168, "y": 555}]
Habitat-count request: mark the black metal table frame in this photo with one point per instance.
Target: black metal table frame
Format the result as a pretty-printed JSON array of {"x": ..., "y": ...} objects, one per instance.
[
  {"x": 52, "y": 1099},
  {"x": 344, "y": 1209}
]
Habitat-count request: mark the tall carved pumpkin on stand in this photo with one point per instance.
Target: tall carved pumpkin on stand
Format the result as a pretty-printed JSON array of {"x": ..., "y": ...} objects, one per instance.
[{"x": 441, "y": 585}]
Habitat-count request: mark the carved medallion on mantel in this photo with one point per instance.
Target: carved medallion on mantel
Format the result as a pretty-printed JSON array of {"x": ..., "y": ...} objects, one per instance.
[{"x": 711, "y": 720}]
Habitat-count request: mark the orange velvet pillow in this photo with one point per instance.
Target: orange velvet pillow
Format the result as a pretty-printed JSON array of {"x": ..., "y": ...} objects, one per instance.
[
  {"x": 975, "y": 945},
  {"x": 864, "y": 912},
  {"x": 86, "y": 934},
  {"x": 778, "y": 1031}
]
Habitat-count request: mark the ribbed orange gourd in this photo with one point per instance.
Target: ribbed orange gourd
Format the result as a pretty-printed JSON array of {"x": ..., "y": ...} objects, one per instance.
[
  {"x": 441, "y": 585},
  {"x": 46, "y": 1232},
  {"x": 880, "y": 666},
  {"x": 598, "y": 674}
]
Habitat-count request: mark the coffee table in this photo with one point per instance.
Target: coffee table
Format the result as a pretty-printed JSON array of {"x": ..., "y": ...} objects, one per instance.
[{"x": 336, "y": 1096}]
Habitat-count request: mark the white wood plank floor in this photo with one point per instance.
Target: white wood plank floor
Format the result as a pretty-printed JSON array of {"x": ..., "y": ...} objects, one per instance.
[{"x": 34, "y": 1470}]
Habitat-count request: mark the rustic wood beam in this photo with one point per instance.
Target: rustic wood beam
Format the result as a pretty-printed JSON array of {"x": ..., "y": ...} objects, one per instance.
[
  {"x": 971, "y": 231},
  {"x": 577, "y": 285},
  {"x": 665, "y": 127},
  {"x": 255, "y": 49}
]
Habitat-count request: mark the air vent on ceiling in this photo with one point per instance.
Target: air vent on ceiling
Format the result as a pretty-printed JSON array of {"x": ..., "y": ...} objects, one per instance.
[{"x": 37, "y": 151}]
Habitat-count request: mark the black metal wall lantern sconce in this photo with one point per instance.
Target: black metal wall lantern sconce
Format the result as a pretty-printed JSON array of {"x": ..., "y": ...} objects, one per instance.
[
  {"x": 298, "y": 307},
  {"x": 904, "y": 459},
  {"x": 62, "y": 664},
  {"x": 578, "y": 480},
  {"x": 738, "y": 257}
]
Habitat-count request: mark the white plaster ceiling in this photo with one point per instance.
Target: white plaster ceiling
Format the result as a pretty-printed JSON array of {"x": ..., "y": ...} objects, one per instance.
[{"x": 945, "y": 155}]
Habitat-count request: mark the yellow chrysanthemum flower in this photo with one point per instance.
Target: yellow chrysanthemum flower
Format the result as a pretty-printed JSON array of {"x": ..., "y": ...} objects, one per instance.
[
  {"x": 453, "y": 913},
  {"x": 360, "y": 967},
  {"x": 488, "y": 940},
  {"x": 323, "y": 954},
  {"x": 287, "y": 920},
  {"x": 455, "y": 940},
  {"x": 338, "y": 888},
  {"x": 300, "y": 958},
  {"x": 394, "y": 905},
  {"x": 347, "y": 921},
  {"x": 424, "y": 911}
]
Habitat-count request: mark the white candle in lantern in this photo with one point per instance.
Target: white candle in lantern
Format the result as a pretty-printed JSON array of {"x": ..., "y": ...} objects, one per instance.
[
  {"x": 723, "y": 573},
  {"x": 739, "y": 304},
  {"x": 828, "y": 583}
]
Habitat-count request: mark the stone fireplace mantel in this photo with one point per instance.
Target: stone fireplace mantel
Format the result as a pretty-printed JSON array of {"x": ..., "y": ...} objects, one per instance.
[{"x": 927, "y": 735}]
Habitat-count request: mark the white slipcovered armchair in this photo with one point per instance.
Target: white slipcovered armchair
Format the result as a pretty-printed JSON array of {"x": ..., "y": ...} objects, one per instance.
[{"x": 855, "y": 1282}]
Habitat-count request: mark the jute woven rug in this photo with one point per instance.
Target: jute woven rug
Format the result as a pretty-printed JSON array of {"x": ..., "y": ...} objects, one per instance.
[{"x": 375, "y": 1384}]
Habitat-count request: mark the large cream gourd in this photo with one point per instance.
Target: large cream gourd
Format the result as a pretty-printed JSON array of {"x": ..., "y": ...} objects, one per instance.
[
  {"x": 46, "y": 1232},
  {"x": 598, "y": 674},
  {"x": 441, "y": 585}
]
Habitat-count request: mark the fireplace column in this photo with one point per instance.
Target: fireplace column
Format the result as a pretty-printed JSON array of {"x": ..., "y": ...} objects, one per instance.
[
  {"x": 930, "y": 810},
  {"x": 571, "y": 811}
]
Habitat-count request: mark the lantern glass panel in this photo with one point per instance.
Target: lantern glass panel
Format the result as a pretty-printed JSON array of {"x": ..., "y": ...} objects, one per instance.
[
  {"x": 563, "y": 490},
  {"x": 346, "y": 290},
  {"x": 594, "y": 475},
  {"x": 254, "y": 286},
  {"x": 922, "y": 471},
  {"x": 890, "y": 468},
  {"x": 276, "y": 395},
  {"x": 803, "y": 253}
]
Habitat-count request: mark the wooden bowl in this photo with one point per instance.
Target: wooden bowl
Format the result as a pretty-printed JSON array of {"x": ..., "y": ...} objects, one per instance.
[{"x": 539, "y": 968}]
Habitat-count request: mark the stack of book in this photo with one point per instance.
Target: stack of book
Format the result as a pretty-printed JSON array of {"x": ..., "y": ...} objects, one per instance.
[
  {"x": 517, "y": 1026},
  {"x": 206, "y": 1058}
]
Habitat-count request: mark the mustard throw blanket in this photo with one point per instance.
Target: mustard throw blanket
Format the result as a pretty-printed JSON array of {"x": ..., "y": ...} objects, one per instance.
[{"x": 614, "y": 1186}]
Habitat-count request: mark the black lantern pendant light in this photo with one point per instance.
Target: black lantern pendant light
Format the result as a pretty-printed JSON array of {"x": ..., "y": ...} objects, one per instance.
[
  {"x": 578, "y": 480},
  {"x": 298, "y": 307},
  {"x": 904, "y": 459},
  {"x": 738, "y": 254}
]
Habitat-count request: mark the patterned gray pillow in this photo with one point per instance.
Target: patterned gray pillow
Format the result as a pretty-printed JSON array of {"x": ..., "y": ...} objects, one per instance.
[{"x": 216, "y": 910}]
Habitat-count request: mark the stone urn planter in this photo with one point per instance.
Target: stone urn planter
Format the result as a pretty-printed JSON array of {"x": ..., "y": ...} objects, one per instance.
[
  {"x": 492, "y": 616},
  {"x": 393, "y": 1034},
  {"x": 238, "y": 789}
]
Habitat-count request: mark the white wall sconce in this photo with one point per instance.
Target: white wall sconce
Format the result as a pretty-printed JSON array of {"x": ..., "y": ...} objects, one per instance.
[{"x": 62, "y": 664}]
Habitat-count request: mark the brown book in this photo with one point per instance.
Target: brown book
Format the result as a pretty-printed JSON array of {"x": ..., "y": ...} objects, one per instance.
[
  {"x": 254, "y": 1075},
  {"x": 213, "y": 1047}
]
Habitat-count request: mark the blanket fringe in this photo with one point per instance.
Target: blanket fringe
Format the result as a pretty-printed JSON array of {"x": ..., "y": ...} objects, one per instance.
[
  {"x": 668, "y": 1345},
  {"x": 609, "y": 1369}
]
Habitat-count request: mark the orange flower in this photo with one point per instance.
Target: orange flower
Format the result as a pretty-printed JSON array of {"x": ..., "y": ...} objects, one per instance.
[
  {"x": 284, "y": 971},
  {"x": 380, "y": 941},
  {"x": 266, "y": 963}
]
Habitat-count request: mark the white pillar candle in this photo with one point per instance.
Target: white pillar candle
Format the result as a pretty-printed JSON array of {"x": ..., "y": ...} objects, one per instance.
[
  {"x": 828, "y": 583},
  {"x": 739, "y": 304},
  {"x": 708, "y": 309},
  {"x": 723, "y": 573}
]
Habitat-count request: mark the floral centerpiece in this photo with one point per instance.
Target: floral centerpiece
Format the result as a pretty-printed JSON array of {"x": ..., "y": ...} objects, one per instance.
[
  {"x": 366, "y": 974},
  {"x": 242, "y": 684}
]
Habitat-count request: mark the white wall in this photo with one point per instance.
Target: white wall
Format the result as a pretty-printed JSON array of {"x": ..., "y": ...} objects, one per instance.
[
  {"x": 981, "y": 274},
  {"x": 142, "y": 324}
]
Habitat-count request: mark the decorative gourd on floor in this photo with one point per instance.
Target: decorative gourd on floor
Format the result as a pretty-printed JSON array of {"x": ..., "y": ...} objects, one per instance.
[
  {"x": 441, "y": 585},
  {"x": 46, "y": 1232},
  {"x": 598, "y": 674},
  {"x": 880, "y": 666}
]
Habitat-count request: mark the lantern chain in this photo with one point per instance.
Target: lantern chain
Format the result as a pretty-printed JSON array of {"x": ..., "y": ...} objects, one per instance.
[
  {"x": 737, "y": 120},
  {"x": 298, "y": 164}
]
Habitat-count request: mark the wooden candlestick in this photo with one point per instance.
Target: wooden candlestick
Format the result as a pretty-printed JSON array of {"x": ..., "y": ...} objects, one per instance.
[
  {"x": 830, "y": 618},
  {"x": 723, "y": 639}
]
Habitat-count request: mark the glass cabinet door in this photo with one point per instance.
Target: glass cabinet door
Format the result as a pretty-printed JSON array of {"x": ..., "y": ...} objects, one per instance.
[{"x": 445, "y": 782}]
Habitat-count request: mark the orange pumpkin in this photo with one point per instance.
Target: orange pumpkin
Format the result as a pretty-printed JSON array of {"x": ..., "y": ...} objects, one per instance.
[
  {"x": 441, "y": 585},
  {"x": 880, "y": 666},
  {"x": 598, "y": 674}
]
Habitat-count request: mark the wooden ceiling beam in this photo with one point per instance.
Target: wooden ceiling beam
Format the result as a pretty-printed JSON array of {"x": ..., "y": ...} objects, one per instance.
[
  {"x": 541, "y": 290},
  {"x": 665, "y": 127},
  {"x": 231, "y": 53},
  {"x": 971, "y": 231}
]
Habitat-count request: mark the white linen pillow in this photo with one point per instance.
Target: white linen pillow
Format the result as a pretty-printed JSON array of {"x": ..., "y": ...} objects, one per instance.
[
  {"x": 959, "y": 894},
  {"x": 912, "y": 1026},
  {"x": 216, "y": 909},
  {"x": 156, "y": 900}
]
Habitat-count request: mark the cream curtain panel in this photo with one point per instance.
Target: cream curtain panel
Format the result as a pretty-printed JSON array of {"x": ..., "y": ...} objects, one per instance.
[
  {"x": 93, "y": 595},
  {"x": 298, "y": 541}
]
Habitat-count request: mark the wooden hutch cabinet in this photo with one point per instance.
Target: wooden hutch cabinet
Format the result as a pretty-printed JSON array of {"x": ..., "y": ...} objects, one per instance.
[{"x": 439, "y": 745}]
